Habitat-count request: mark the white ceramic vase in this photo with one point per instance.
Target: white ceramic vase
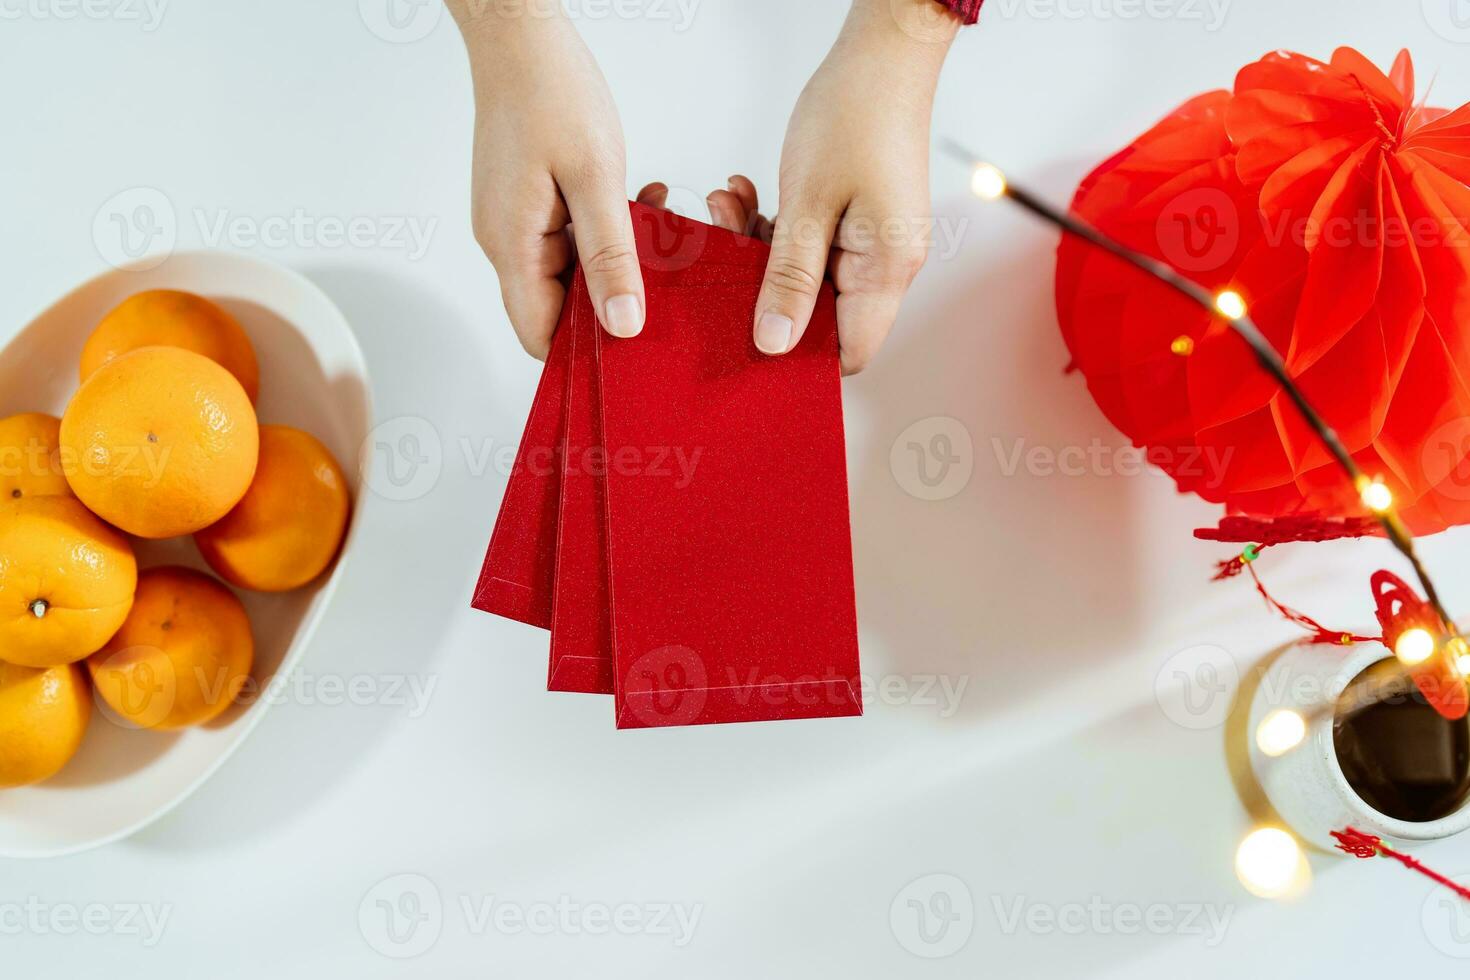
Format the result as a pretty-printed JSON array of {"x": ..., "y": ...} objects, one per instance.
[{"x": 1306, "y": 784}]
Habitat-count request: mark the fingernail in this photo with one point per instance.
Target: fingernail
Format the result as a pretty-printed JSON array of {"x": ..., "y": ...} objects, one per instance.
[
  {"x": 624, "y": 316},
  {"x": 773, "y": 333}
]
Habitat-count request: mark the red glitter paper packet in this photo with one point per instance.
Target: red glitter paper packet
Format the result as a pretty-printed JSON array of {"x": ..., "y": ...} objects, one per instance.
[
  {"x": 702, "y": 562},
  {"x": 516, "y": 578},
  {"x": 581, "y": 632}
]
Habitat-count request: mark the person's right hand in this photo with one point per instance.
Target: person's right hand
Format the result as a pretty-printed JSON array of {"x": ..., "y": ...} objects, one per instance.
[{"x": 550, "y": 180}]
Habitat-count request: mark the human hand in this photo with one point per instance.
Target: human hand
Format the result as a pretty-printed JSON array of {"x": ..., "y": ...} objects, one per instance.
[
  {"x": 549, "y": 181},
  {"x": 854, "y": 182}
]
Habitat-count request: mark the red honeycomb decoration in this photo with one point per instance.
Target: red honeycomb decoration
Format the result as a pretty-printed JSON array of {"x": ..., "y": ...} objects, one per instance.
[{"x": 1338, "y": 208}]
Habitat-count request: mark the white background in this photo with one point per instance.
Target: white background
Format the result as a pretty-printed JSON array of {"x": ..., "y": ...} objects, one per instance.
[{"x": 1057, "y": 778}]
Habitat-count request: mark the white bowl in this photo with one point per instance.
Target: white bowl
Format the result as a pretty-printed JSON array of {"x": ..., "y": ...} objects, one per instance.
[{"x": 314, "y": 377}]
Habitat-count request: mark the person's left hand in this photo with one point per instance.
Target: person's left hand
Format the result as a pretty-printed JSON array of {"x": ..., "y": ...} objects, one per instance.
[{"x": 854, "y": 185}]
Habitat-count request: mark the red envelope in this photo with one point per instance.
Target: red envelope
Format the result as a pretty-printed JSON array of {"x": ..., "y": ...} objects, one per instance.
[
  {"x": 518, "y": 572},
  {"x": 728, "y": 542},
  {"x": 581, "y": 633},
  {"x": 700, "y": 566},
  {"x": 581, "y": 640}
]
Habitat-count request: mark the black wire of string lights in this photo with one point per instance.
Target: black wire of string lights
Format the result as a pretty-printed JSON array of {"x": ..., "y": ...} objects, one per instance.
[{"x": 990, "y": 183}]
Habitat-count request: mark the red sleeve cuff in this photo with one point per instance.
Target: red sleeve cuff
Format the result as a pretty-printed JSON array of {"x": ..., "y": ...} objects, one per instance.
[{"x": 969, "y": 10}]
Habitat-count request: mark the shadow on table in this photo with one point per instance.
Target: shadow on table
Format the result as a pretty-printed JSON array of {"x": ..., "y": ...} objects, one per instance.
[
  {"x": 401, "y": 585},
  {"x": 1031, "y": 568},
  {"x": 1079, "y": 857},
  {"x": 1236, "y": 745}
]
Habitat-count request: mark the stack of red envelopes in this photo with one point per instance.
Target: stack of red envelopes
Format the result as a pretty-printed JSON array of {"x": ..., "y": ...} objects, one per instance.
[{"x": 677, "y": 515}]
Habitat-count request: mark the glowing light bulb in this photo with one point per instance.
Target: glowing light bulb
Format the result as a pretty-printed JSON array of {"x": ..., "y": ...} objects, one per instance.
[
  {"x": 1376, "y": 495},
  {"x": 1280, "y": 732},
  {"x": 1269, "y": 863},
  {"x": 1230, "y": 304},
  {"x": 1182, "y": 345},
  {"x": 1460, "y": 650},
  {"x": 988, "y": 182},
  {"x": 1414, "y": 646}
]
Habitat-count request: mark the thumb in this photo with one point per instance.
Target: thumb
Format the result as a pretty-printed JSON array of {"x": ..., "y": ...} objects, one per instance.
[
  {"x": 608, "y": 253},
  {"x": 799, "y": 247}
]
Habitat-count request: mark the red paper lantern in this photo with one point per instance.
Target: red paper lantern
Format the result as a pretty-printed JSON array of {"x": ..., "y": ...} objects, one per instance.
[{"x": 1338, "y": 208}]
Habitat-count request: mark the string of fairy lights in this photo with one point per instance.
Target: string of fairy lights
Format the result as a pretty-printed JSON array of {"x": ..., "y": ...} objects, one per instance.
[
  {"x": 1269, "y": 861},
  {"x": 1414, "y": 646}
]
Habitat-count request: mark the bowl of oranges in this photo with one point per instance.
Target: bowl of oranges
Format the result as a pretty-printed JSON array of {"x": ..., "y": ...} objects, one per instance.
[{"x": 174, "y": 517}]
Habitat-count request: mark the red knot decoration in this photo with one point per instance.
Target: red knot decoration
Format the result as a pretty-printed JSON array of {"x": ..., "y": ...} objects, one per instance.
[
  {"x": 1401, "y": 609},
  {"x": 1361, "y": 845}
]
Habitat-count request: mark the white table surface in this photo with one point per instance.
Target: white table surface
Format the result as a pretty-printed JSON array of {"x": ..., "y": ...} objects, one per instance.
[{"x": 1055, "y": 780}]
